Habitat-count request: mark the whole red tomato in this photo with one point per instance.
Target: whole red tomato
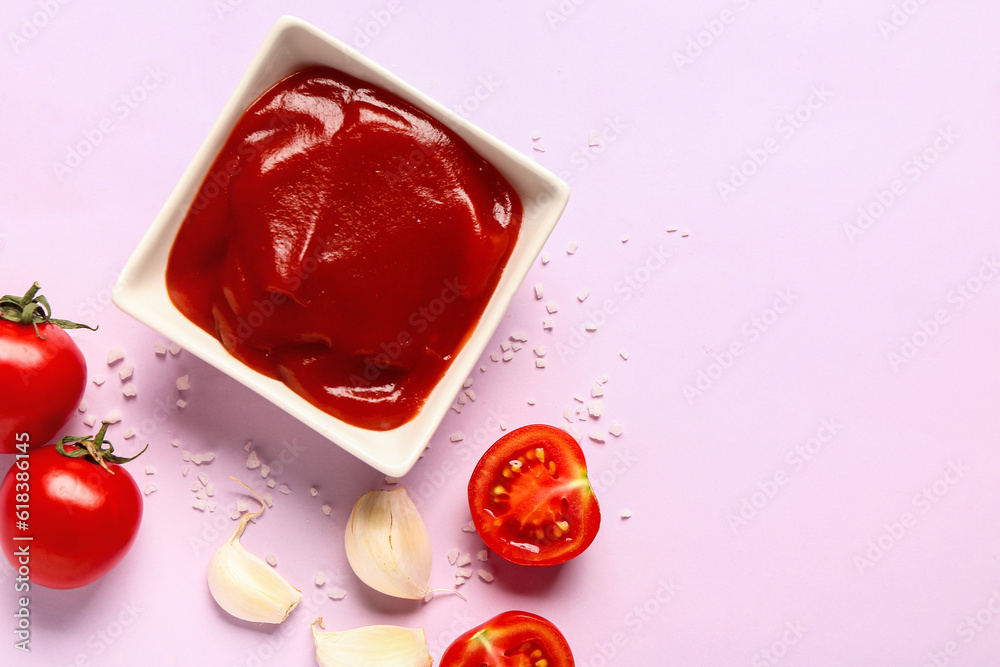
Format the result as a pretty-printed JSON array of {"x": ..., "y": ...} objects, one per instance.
[
  {"x": 82, "y": 517},
  {"x": 42, "y": 371},
  {"x": 511, "y": 639},
  {"x": 530, "y": 497}
]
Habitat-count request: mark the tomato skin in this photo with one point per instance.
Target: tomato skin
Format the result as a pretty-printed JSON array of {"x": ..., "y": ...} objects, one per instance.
[
  {"x": 495, "y": 643},
  {"x": 41, "y": 382},
  {"x": 83, "y": 520},
  {"x": 524, "y": 528}
]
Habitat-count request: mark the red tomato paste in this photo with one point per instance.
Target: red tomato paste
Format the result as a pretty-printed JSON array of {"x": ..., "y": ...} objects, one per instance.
[{"x": 345, "y": 243}]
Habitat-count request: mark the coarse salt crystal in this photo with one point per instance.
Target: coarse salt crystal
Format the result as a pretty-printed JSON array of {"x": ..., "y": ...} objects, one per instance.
[
  {"x": 464, "y": 572},
  {"x": 519, "y": 336},
  {"x": 547, "y": 323},
  {"x": 113, "y": 417},
  {"x": 463, "y": 560},
  {"x": 185, "y": 470},
  {"x": 594, "y": 409},
  {"x": 591, "y": 327},
  {"x": 624, "y": 355},
  {"x": 572, "y": 248},
  {"x": 326, "y": 509},
  {"x": 235, "y": 515},
  {"x": 203, "y": 478},
  {"x": 271, "y": 560},
  {"x": 313, "y": 491},
  {"x": 505, "y": 346},
  {"x": 539, "y": 147},
  {"x": 181, "y": 403},
  {"x": 129, "y": 390},
  {"x": 615, "y": 429},
  {"x": 248, "y": 445},
  {"x": 115, "y": 355},
  {"x": 552, "y": 307},
  {"x": 150, "y": 470},
  {"x": 593, "y": 139},
  {"x": 82, "y": 407},
  {"x": 531, "y": 401},
  {"x": 539, "y": 363},
  {"x": 185, "y": 455},
  {"x": 175, "y": 443},
  {"x": 671, "y": 229},
  {"x": 98, "y": 380},
  {"x": 545, "y": 258},
  {"x": 271, "y": 483},
  {"x": 210, "y": 489},
  {"x": 469, "y": 527},
  {"x": 536, "y": 136},
  {"x": 495, "y": 357},
  {"x": 540, "y": 350},
  {"x": 90, "y": 420},
  {"x": 539, "y": 291},
  {"x": 626, "y": 514},
  {"x": 320, "y": 579},
  {"x": 597, "y": 390},
  {"x": 457, "y": 436},
  {"x": 265, "y": 470},
  {"x": 212, "y": 505},
  {"x": 508, "y": 355},
  {"x": 486, "y": 576},
  {"x": 125, "y": 372},
  {"x": 269, "y": 500},
  {"x": 596, "y": 435},
  {"x": 160, "y": 348},
  {"x": 582, "y": 295},
  {"x": 196, "y": 487},
  {"x": 471, "y": 394},
  {"x": 389, "y": 479},
  {"x": 148, "y": 489},
  {"x": 175, "y": 349},
  {"x": 516, "y": 347},
  {"x": 128, "y": 433},
  {"x": 337, "y": 594},
  {"x": 453, "y": 556},
  {"x": 685, "y": 233},
  {"x": 242, "y": 505},
  {"x": 459, "y": 581},
  {"x": 284, "y": 489},
  {"x": 183, "y": 383},
  {"x": 252, "y": 461},
  {"x": 625, "y": 239},
  {"x": 199, "y": 504},
  {"x": 468, "y": 382}
]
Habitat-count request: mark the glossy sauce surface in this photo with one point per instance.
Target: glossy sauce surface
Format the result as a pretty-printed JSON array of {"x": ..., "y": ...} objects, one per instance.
[{"x": 345, "y": 243}]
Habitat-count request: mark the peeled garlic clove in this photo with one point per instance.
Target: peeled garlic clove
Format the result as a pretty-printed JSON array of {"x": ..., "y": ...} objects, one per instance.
[
  {"x": 388, "y": 546},
  {"x": 246, "y": 586},
  {"x": 382, "y": 645}
]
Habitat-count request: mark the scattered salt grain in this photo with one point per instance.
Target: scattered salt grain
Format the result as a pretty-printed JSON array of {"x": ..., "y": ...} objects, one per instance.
[
  {"x": 508, "y": 355},
  {"x": 486, "y": 576},
  {"x": 235, "y": 515},
  {"x": 469, "y": 527},
  {"x": 547, "y": 323},
  {"x": 200, "y": 504},
  {"x": 113, "y": 417},
  {"x": 539, "y": 363},
  {"x": 624, "y": 355},
  {"x": 129, "y": 390},
  {"x": 252, "y": 461},
  {"x": 203, "y": 478},
  {"x": 686, "y": 233},
  {"x": 457, "y": 436},
  {"x": 471, "y": 394},
  {"x": 210, "y": 489},
  {"x": 115, "y": 355},
  {"x": 175, "y": 443},
  {"x": 593, "y": 139},
  {"x": 269, "y": 500},
  {"x": 572, "y": 248},
  {"x": 185, "y": 470},
  {"x": 150, "y": 470},
  {"x": 464, "y": 572},
  {"x": 313, "y": 491},
  {"x": 284, "y": 489},
  {"x": 326, "y": 509},
  {"x": 615, "y": 429},
  {"x": 539, "y": 291},
  {"x": 248, "y": 445},
  {"x": 582, "y": 295},
  {"x": 483, "y": 556},
  {"x": 540, "y": 350},
  {"x": 597, "y": 390},
  {"x": 459, "y": 581},
  {"x": 389, "y": 479},
  {"x": 516, "y": 347},
  {"x": 453, "y": 556},
  {"x": 591, "y": 327},
  {"x": 320, "y": 579},
  {"x": 271, "y": 483},
  {"x": 185, "y": 455},
  {"x": 89, "y": 420},
  {"x": 242, "y": 505},
  {"x": 82, "y": 407},
  {"x": 181, "y": 403},
  {"x": 265, "y": 470},
  {"x": 160, "y": 348},
  {"x": 463, "y": 560},
  {"x": 495, "y": 357},
  {"x": 594, "y": 409},
  {"x": 626, "y": 514},
  {"x": 625, "y": 239},
  {"x": 148, "y": 489},
  {"x": 337, "y": 594},
  {"x": 505, "y": 346},
  {"x": 578, "y": 398},
  {"x": 128, "y": 433},
  {"x": 98, "y": 380},
  {"x": 175, "y": 349},
  {"x": 539, "y": 147},
  {"x": 468, "y": 382},
  {"x": 596, "y": 435},
  {"x": 183, "y": 383},
  {"x": 272, "y": 560},
  {"x": 671, "y": 230},
  {"x": 536, "y": 136},
  {"x": 125, "y": 372},
  {"x": 531, "y": 401},
  {"x": 552, "y": 307},
  {"x": 545, "y": 258}
]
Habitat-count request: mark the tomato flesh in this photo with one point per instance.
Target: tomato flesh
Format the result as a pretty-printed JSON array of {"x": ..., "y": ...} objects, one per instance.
[
  {"x": 530, "y": 497},
  {"x": 511, "y": 639},
  {"x": 42, "y": 380},
  {"x": 83, "y": 519}
]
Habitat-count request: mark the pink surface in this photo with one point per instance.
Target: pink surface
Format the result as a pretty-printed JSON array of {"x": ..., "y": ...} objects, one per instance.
[{"x": 808, "y": 405}]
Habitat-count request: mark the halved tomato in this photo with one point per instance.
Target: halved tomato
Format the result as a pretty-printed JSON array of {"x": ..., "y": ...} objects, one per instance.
[
  {"x": 512, "y": 639},
  {"x": 530, "y": 497}
]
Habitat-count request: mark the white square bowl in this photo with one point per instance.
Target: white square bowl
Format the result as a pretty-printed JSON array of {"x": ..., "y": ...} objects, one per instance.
[{"x": 141, "y": 290}]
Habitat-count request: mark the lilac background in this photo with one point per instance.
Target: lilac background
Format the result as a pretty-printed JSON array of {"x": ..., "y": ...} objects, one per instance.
[{"x": 879, "y": 548}]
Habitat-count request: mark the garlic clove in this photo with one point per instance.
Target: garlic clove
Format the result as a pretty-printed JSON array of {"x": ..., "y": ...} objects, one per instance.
[
  {"x": 388, "y": 546},
  {"x": 382, "y": 645},
  {"x": 247, "y": 587}
]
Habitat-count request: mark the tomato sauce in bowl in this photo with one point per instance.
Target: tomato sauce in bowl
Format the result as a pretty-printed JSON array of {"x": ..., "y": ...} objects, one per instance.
[{"x": 345, "y": 243}]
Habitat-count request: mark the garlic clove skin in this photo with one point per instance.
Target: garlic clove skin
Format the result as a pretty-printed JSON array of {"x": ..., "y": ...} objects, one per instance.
[
  {"x": 247, "y": 587},
  {"x": 388, "y": 546},
  {"x": 381, "y": 645}
]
